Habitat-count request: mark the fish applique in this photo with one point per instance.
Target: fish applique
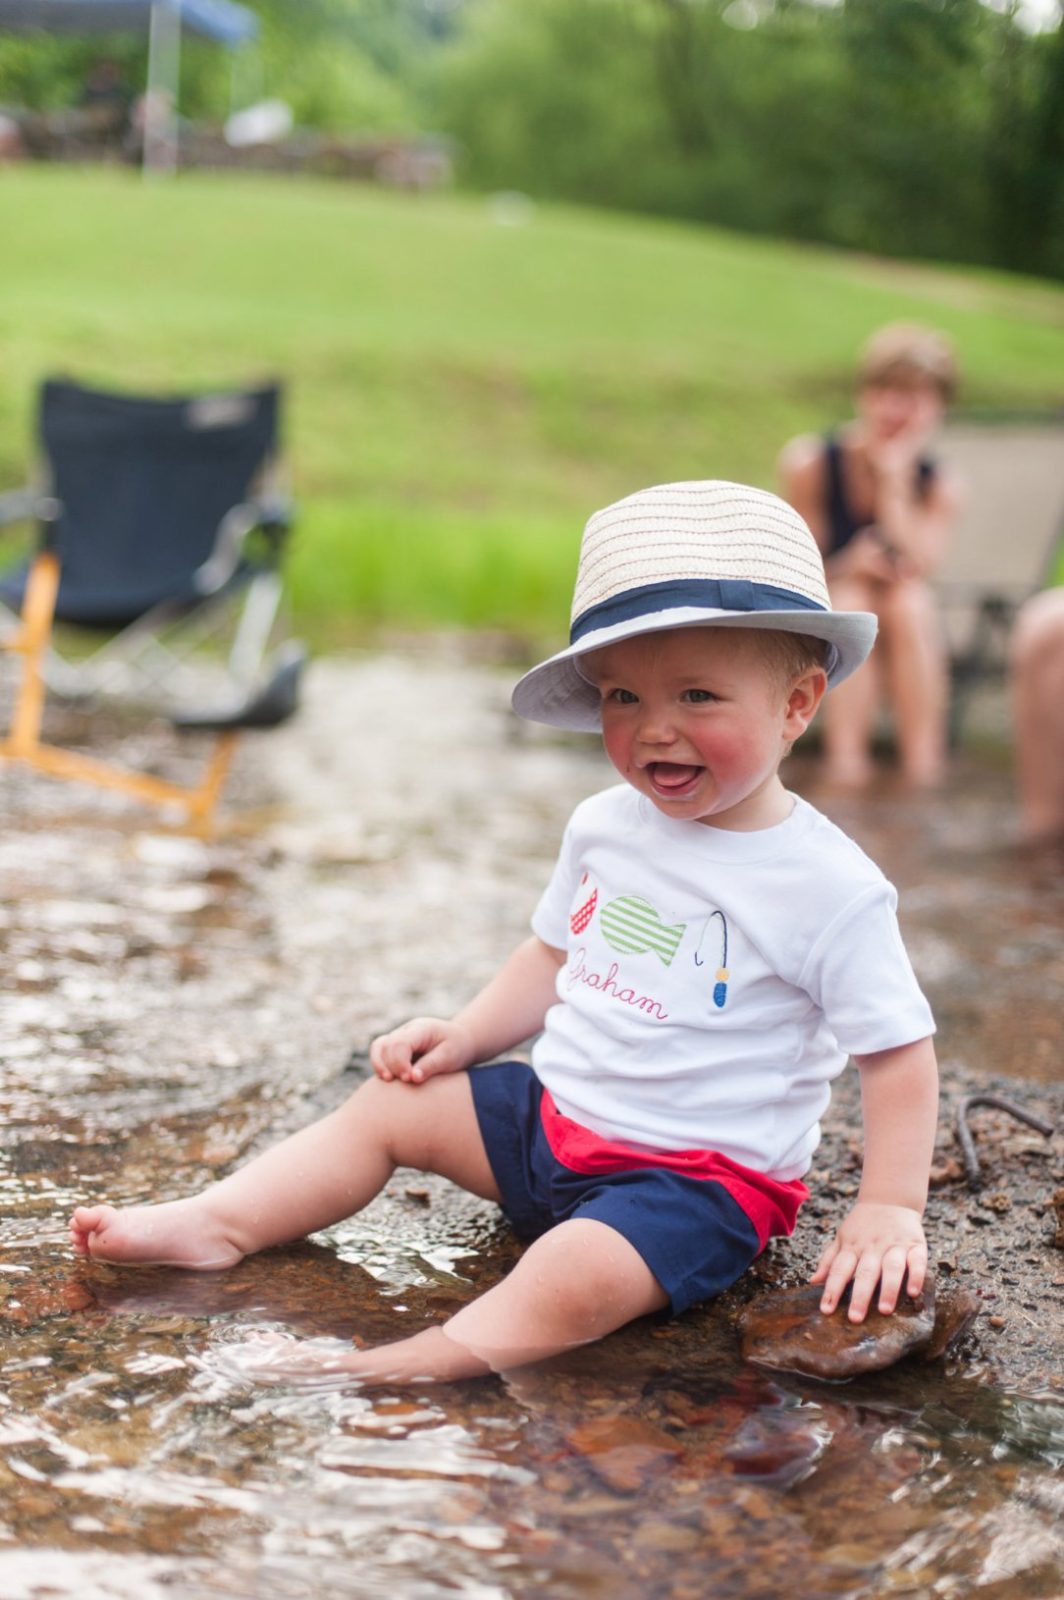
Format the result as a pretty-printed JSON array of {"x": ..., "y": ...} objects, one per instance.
[
  {"x": 632, "y": 926},
  {"x": 585, "y": 901}
]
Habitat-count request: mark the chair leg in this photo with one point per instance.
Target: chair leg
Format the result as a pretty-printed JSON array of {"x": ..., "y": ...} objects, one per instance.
[
  {"x": 261, "y": 605},
  {"x": 202, "y": 801},
  {"x": 198, "y": 803},
  {"x": 24, "y": 741},
  {"x": 38, "y": 609}
]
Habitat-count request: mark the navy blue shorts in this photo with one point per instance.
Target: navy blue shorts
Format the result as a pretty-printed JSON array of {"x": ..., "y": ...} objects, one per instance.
[{"x": 693, "y": 1236}]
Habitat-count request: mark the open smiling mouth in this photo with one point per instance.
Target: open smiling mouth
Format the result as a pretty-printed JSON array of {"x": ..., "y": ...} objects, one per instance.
[{"x": 673, "y": 780}]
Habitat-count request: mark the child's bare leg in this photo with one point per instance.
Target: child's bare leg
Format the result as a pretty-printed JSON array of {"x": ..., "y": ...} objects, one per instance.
[
  {"x": 309, "y": 1181},
  {"x": 577, "y": 1283}
]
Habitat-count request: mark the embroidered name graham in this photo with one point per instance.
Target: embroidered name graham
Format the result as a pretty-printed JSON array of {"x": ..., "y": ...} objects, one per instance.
[{"x": 606, "y": 983}]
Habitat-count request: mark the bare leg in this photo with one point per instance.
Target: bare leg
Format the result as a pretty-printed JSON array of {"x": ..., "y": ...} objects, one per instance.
[
  {"x": 917, "y": 679},
  {"x": 1038, "y": 709},
  {"x": 318, "y": 1176},
  {"x": 577, "y": 1283},
  {"x": 849, "y": 712}
]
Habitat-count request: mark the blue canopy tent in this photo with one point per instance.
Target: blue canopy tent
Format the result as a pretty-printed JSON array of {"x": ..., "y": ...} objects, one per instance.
[{"x": 223, "y": 21}]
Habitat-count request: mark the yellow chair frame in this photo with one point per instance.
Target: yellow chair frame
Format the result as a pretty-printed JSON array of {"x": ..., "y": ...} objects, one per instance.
[{"x": 24, "y": 744}]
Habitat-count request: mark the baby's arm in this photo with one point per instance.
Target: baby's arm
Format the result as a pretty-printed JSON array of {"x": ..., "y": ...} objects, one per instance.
[
  {"x": 882, "y": 1239},
  {"x": 507, "y": 1010}
]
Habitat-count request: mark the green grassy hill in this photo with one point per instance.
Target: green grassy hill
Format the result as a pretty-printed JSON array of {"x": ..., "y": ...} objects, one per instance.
[{"x": 462, "y": 392}]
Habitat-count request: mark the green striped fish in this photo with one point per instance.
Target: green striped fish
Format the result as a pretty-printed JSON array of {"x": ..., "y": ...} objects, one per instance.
[{"x": 631, "y": 925}]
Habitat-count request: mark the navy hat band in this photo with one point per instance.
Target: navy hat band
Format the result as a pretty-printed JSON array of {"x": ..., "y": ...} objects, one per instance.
[{"x": 717, "y": 594}]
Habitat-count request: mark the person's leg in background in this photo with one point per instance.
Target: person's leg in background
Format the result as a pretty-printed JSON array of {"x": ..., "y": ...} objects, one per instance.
[
  {"x": 849, "y": 712},
  {"x": 1038, "y": 714},
  {"x": 917, "y": 678}
]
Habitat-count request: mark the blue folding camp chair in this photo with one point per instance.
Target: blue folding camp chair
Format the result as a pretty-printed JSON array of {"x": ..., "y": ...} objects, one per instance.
[{"x": 160, "y": 524}]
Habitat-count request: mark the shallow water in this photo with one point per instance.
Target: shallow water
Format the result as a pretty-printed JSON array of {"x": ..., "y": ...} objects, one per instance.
[{"x": 169, "y": 1002}]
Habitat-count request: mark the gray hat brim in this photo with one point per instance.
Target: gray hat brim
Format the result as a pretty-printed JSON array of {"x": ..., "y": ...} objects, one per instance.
[{"x": 558, "y": 693}]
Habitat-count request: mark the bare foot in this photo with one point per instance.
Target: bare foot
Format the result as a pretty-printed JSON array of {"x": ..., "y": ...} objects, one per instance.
[
  {"x": 177, "y": 1234},
  {"x": 841, "y": 773},
  {"x": 273, "y": 1357},
  {"x": 924, "y": 775}
]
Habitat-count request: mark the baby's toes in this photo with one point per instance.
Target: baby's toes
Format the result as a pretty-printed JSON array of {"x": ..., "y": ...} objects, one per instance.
[{"x": 86, "y": 1223}]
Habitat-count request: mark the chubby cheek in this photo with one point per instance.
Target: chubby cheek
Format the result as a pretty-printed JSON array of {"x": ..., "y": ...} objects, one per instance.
[
  {"x": 733, "y": 752},
  {"x": 617, "y": 742}
]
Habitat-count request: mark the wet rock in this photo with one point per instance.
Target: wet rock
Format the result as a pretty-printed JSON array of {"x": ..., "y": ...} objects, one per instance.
[
  {"x": 948, "y": 1170},
  {"x": 624, "y": 1452},
  {"x": 657, "y": 1535},
  {"x": 785, "y": 1329},
  {"x": 27, "y": 1302},
  {"x": 778, "y": 1448},
  {"x": 956, "y": 1308}
]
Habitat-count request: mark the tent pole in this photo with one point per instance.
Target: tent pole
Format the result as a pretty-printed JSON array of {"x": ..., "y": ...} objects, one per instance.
[{"x": 160, "y": 100}]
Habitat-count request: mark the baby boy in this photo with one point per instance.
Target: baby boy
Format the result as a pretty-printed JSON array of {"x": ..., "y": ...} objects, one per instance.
[{"x": 707, "y": 955}]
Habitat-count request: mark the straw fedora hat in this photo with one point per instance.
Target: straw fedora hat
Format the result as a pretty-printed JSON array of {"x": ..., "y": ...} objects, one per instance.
[{"x": 690, "y": 554}]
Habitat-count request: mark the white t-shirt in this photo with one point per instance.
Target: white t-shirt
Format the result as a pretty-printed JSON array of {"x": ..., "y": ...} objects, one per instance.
[{"x": 715, "y": 981}]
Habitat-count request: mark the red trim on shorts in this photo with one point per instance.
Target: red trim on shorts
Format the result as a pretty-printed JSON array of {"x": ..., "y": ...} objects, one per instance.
[{"x": 771, "y": 1206}]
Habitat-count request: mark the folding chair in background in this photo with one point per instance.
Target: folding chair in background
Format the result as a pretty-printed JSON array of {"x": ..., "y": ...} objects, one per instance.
[
  {"x": 160, "y": 524},
  {"x": 1006, "y": 546}
]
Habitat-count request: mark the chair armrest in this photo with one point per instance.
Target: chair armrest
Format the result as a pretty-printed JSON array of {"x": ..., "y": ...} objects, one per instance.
[
  {"x": 27, "y": 505},
  {"x": 273, "y": 510},
  {"x": 271, "y": 513}
]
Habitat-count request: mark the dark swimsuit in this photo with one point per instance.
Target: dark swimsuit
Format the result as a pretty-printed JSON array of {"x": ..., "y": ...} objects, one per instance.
[{"x": 842, "y": 524}]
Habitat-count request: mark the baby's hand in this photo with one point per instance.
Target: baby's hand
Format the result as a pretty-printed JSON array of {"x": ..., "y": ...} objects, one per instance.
[
  {"x": 875, "y": 1244},
  {"x": 420, "y": 1049}
]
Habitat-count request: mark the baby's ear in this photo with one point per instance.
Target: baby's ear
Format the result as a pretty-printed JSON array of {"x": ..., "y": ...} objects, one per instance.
[{"x": 805, "y": 695}]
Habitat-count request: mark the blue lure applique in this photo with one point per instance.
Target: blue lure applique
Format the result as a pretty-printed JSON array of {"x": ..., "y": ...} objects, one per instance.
[{"x": 720, "y": 984}]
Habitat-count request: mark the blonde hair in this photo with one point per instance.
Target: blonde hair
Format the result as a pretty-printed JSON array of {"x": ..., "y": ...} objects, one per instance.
[
  {"x": 908, "y": 353},
  {"x": 787, "y": 655}
]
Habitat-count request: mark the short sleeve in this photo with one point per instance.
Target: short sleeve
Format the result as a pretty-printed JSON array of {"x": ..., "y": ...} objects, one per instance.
[
  {"x": 550, "y": 920},
  {"x": 860, "y": 975}
]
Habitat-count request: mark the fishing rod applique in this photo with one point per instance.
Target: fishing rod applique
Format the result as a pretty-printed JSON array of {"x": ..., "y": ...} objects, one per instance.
[{"x": 720, "y": 984}]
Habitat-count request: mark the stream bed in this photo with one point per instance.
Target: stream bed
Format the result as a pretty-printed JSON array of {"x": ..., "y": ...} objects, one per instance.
[{"x": 171, "y": 1003}]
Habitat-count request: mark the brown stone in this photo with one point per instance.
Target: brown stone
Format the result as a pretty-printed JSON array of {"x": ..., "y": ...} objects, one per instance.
[
  {"x": 1058, "y": 1207},
  {"x": 36, "y": 1299},
  {"x": 624, "y": 1452},
  {"x": 785, "y": 1329},
  {"x": 956, "y": 1308},
  {"x": 948, "y": 1170}
]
